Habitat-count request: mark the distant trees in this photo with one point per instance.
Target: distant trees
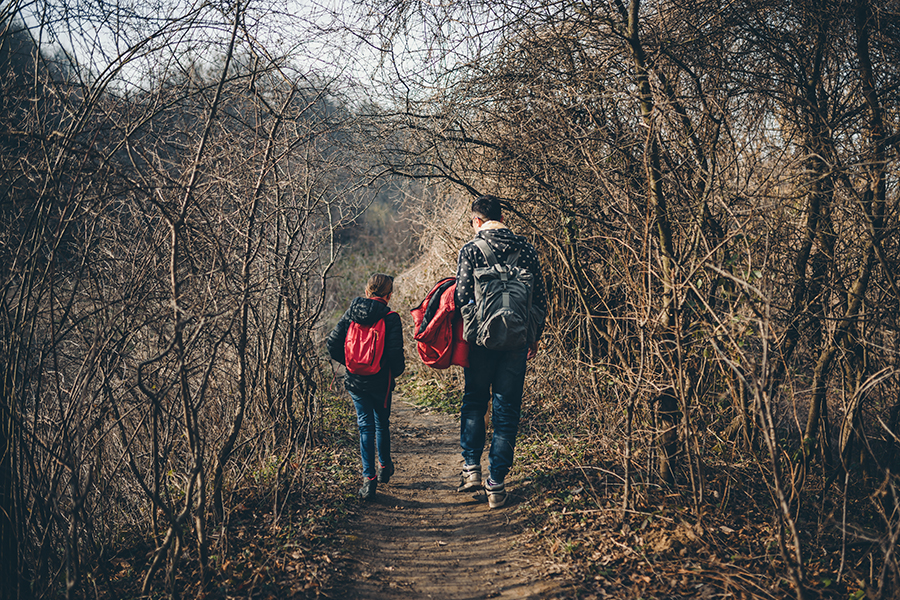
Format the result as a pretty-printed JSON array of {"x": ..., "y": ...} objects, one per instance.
[
  {"x": 714, "y": 188},
  {"x": 171, "y": 192}
]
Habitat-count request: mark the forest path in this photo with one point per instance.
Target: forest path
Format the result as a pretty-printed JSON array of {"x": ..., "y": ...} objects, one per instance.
[{"x": 420, "y": 538}]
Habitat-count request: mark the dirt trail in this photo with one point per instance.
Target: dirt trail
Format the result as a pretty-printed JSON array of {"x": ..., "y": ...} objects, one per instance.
[{"x": 422, "y": 539}]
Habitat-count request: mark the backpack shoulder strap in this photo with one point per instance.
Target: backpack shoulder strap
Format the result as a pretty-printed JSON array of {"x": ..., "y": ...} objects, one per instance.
[
  {"x": 486, "y": 250},
  {"x": 489, "y": 255}
]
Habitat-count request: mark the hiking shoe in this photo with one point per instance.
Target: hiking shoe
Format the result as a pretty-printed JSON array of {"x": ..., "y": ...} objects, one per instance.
[
  {"x": 496, "y": 493},
  {"x": 367, "y": 491},
  {"x": 384, "y": 475},
  {"x": 471, "y": 478}
]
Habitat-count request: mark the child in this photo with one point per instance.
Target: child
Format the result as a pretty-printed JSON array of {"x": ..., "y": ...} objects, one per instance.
[{"x": 371, "y": 392}]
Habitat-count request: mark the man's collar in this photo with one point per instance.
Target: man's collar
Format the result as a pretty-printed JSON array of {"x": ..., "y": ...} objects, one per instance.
[{"x": 492, "y": 225}]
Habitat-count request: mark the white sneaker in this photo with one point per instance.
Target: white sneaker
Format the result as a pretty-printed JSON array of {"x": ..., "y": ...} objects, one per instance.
[
  {"x": 496, "y": 493},
  {"x": 471, "y": 478}
]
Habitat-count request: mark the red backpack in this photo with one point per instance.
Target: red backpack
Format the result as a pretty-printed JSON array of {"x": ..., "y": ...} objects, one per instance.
[
  {"x": 364, "y": 347},
  {"x": 438, "y": 328}
]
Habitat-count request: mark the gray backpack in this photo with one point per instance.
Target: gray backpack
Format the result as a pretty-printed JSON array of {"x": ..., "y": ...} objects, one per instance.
[{"x": 499, "y": 319}]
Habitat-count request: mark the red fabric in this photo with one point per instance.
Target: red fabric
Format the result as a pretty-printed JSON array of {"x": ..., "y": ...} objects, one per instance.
[
  {"x": 364, "y": 347},
  {"x": 440, "y": 342}
]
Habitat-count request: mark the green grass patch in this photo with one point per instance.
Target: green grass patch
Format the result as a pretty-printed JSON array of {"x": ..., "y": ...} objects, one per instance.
[{"x": 436, "y": 395}]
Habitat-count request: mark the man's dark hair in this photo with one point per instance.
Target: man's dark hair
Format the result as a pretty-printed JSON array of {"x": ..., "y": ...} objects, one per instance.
[{"x": 488, "y": 207}]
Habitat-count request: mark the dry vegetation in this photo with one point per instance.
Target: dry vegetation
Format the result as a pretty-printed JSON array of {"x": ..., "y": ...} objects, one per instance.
[{"x": 166, "y": 242}]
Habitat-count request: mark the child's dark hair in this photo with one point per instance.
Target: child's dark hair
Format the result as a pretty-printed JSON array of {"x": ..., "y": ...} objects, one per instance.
[{"x": 379, "y": 285}]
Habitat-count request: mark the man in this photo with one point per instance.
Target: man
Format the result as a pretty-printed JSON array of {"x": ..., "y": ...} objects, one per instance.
[{"x": 497, "y": 374}]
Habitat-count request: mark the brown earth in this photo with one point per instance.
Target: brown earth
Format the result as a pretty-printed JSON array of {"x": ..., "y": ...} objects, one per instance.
[{"x": 420, "y": 538}]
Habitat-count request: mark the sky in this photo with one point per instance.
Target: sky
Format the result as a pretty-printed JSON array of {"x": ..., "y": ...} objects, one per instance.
[{"x": 133, "y": 44}]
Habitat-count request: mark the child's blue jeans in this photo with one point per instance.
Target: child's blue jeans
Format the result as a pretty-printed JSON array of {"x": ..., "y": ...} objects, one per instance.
[{"x": 374, "y": 420}]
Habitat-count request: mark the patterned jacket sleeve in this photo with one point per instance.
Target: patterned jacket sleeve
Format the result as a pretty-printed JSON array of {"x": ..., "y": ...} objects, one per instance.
[
  {"x": 533, "y": 264},
  {"x": 465, "y": 275}
]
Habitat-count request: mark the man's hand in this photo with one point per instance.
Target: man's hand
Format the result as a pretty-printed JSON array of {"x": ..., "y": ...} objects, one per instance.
[{"x": 532, "y": 350}]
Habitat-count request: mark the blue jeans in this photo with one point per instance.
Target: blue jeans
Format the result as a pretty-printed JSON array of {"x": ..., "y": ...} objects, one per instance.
[
  {"x": 374, "y": 420},
  {"x": 499, "y": 375}
]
